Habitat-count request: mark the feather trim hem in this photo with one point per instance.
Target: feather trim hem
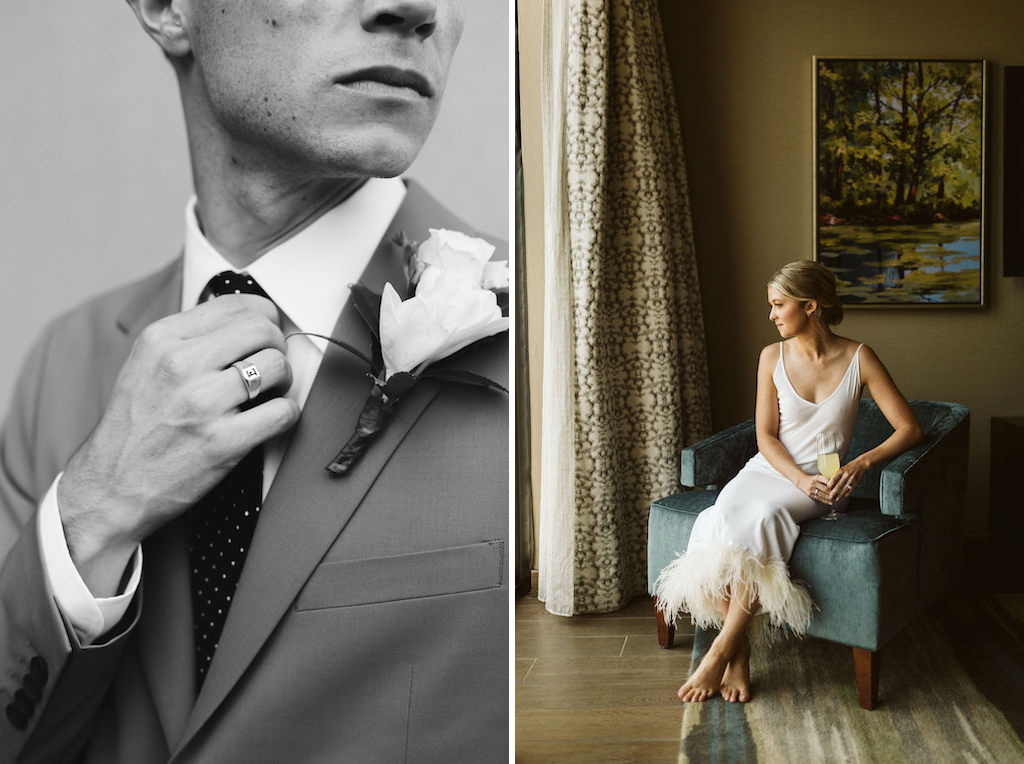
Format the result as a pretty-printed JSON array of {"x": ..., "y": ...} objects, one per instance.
[{"x": 695, "y": 582}]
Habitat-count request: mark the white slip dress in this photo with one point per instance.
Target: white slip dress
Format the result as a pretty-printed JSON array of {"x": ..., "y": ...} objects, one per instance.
[{"x": 748, "y": 535}]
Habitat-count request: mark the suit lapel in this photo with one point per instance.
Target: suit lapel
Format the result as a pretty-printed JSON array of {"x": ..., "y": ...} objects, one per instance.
[
  {"x": 306, "y": 507},
  {"x": 165, "y": 630}
]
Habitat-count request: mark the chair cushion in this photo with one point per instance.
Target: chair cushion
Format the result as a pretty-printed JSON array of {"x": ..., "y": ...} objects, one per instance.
[{"x": 860, "y": 569}]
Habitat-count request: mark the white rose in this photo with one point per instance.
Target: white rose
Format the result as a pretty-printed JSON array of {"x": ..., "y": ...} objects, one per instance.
[
  {"x": 426, "y": 328},
  {"x": 496, "y": 276},
  {"x": 455, "y": 253}
]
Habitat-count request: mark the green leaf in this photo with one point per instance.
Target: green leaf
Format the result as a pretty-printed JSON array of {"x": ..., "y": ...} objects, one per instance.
[
  {"x": 463, "y": 376},
  {"x": 367, "y": 305}
]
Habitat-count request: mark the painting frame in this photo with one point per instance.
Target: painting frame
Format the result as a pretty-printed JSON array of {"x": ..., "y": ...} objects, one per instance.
[{"x": 900, "y": 176}]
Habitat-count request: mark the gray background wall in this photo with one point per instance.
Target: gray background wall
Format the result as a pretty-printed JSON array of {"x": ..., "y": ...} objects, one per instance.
[
  {"x": 94, "y": 169},
  {"x": 742, "y": 76}
]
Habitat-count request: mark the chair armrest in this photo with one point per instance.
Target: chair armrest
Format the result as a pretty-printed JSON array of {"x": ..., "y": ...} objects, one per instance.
[
  {"x": 716, "y": 460},
  {"x": 932, "y": 474}
]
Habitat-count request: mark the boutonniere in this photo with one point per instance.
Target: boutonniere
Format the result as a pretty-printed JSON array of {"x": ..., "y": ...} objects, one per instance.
[{"x": 453, "y": 304}]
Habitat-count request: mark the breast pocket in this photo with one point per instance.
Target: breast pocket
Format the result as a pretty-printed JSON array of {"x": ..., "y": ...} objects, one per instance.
[{"x": 405, "y": 576}]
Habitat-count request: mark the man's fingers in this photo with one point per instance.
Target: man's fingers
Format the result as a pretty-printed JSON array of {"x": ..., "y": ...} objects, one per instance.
[
  {"x": 275, "y": 374},
  {"x": 215, "y": 313},
  {"x": 259, "y": 424},
  {"x": 235, "y": 340}
]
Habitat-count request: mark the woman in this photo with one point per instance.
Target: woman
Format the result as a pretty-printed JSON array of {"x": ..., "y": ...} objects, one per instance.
[{"x": 735, "y": 565}]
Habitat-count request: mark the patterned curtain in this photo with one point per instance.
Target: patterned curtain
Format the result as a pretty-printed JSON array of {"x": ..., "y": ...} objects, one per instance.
[{"x": 625, "y": 382}]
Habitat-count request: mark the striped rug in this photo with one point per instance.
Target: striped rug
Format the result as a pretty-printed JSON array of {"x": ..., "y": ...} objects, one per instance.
[{"x": 951, "y": 690}]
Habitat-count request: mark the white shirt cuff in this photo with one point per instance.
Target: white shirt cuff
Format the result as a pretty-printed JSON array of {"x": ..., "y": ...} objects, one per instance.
[{"x": 89, "y": 616}]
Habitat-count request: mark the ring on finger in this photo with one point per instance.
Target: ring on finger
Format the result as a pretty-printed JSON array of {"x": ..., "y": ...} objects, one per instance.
[{"x": 251, "y": 377}]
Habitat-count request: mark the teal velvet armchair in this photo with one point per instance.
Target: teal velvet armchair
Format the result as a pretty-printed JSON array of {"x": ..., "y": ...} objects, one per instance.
[{"x": 894, "y": 552}]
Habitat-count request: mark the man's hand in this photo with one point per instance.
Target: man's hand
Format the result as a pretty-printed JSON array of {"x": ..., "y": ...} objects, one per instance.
[{"x": 172, "y": 429}]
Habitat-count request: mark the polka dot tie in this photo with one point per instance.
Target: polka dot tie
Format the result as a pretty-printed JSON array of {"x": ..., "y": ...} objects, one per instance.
[{"x": 222, "y": 523}]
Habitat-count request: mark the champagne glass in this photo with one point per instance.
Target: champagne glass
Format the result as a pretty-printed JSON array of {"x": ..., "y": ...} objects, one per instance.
[{"x": 828, "y": 462}]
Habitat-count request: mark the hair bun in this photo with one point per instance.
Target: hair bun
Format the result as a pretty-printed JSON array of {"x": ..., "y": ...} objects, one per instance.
[{"x": 804, "y": 280}]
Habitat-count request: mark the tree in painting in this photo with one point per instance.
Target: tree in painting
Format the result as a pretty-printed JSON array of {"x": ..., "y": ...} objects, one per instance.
[{"x": 900, "y": 178}]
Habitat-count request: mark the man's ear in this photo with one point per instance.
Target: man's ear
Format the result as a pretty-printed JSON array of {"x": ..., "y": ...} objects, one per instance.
[{"x": 164, "y": 21}]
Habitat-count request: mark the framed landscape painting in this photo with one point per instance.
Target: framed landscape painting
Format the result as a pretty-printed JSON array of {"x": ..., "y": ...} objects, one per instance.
[{"x": 899, "y": 158}]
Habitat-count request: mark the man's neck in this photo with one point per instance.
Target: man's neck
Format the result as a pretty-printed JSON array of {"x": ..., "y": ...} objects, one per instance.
[
  {"x": 248, "y": 201},
  {"x": 243, "y": 217}
]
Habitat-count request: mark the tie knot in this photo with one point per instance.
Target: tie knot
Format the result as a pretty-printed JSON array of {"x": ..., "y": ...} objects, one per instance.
[{"x": 229, "y": 282}]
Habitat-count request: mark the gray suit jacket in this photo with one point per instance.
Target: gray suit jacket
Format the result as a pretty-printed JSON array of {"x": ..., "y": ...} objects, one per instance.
[{"x": 370, "y": 623}]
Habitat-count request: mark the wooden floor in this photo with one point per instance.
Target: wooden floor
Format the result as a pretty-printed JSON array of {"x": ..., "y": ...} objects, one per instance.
[{"x": 597, "y": 689}]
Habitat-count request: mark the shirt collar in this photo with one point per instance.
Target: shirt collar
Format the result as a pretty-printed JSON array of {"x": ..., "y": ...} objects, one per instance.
[{"x": 308, "y": 275}]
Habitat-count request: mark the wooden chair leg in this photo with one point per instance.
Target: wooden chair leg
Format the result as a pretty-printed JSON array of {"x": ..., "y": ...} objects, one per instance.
[
  {"x": 867, "y": 666},
  {"x": 666, "y": 630}
]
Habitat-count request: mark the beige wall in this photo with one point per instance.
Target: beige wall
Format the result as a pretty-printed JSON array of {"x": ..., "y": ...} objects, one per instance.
[
  {"x": 742, "y": 74},
  {"x": 93, "y": 165}
]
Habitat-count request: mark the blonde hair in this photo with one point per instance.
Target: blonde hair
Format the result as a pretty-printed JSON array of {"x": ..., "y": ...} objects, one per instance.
[{"x": 804, "y": 280}]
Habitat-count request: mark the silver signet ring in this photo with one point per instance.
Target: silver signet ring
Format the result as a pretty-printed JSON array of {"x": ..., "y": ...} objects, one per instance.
[{"x": 250, "y": 376}]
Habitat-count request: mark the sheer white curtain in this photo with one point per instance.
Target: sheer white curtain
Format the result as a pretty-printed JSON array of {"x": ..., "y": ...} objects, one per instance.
[{"x": 557, "y": 499}]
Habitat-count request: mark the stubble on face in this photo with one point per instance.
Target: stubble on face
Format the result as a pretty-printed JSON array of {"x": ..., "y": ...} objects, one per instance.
[{"x": 319, "y": 89}]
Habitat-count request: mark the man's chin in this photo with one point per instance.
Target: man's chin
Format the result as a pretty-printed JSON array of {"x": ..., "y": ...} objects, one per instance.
[{"x": 377, "y": 159}]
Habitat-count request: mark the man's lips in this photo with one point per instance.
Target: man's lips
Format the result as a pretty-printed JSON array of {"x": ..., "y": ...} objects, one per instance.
[{"x": 392, "y": 76}]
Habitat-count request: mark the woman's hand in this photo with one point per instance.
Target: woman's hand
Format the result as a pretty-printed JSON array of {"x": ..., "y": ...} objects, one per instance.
[
  {"x": 845, "y": 480},
  {"x": 815, "y": 486}
]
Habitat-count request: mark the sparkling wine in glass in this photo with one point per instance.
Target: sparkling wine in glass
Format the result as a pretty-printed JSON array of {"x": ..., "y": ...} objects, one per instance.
[{"x": 828, "y": 462}]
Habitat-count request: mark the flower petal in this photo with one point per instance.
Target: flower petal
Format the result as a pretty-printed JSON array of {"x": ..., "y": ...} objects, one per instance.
[
  {"x": 461, "y": 256},
  {"x": 467, "y": 317},
  {"x": 496, "y": 275},
  {"x": 408, "y": 332}
]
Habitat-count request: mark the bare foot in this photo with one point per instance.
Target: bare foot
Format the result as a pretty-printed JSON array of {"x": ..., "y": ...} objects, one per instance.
[
  {"x": 736, "y": 681},
  {"x": 705, "y": 681}
]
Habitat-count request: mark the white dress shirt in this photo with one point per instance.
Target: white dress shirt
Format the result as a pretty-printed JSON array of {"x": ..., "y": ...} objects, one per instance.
[{"x": 307, "y": 276}]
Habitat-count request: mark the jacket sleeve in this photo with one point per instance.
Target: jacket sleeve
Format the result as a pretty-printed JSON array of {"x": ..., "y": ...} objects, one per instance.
[{"x": 50, "y": 686}]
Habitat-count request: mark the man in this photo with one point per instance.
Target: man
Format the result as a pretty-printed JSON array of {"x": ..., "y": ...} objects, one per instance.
[{"x": 160, "y": 442}]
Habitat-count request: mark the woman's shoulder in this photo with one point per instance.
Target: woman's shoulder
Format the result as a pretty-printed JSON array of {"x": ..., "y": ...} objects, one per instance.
[
  {"x": 866, "y": 351},
  {"x": 867, "y": 358},
  {"x": 770, "y": 353},
  {"x": 848, "y": 348}
]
